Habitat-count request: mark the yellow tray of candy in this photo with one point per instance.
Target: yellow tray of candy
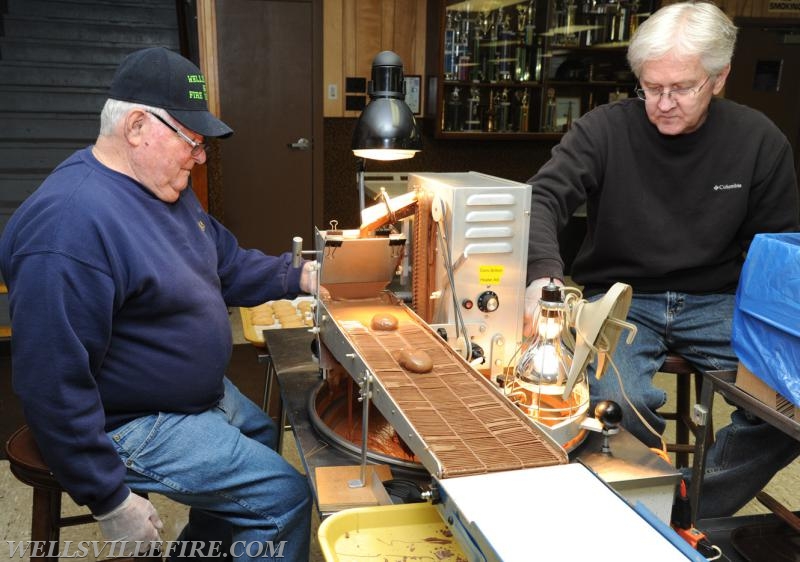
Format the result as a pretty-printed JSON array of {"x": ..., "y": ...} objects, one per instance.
[
  {"x": 388, "y": 533},
  {"x": 273, "y": 315}
]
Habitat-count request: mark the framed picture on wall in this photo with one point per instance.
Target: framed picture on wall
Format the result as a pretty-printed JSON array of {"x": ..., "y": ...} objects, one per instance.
[
  {"x": 414, "y": 93},
  {"x": 567, "y": 111}
]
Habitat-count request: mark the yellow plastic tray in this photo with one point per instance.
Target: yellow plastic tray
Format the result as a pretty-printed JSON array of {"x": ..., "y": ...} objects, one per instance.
[
  {"x": 388, "y": 533},
  {"x": 254, "y": 332}
]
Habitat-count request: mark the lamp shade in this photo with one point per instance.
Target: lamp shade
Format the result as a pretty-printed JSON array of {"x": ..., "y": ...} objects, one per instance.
[{"x": 386, "y": 129}]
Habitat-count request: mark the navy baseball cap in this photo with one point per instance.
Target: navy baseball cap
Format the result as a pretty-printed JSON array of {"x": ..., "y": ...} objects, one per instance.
[{"x": 162, "y": 78}]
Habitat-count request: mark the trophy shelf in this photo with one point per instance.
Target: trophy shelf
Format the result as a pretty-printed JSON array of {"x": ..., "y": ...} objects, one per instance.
[{"x": 511, "y": 69}]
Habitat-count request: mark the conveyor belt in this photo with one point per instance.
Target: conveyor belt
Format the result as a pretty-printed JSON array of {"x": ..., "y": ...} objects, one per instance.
[{"x": 453, "y": 414}]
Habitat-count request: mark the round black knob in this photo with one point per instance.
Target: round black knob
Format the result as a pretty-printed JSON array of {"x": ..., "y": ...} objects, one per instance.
[
  {"x": 488, "y": 301},
  {"x": 442, "y": 333},
  {"x": 609, "y": 413}
]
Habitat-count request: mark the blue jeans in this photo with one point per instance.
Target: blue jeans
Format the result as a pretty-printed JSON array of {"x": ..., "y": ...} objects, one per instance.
[
  {"x": 223, "y": 464},
  {"x": 747, "y": 452}
]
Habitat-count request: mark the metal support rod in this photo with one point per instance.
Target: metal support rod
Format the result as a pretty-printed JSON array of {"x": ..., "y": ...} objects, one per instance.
[
  {"x": 361, "y": 189},
  {"x": 365, "y": 396},
  {"x": 297, "y": 251}
]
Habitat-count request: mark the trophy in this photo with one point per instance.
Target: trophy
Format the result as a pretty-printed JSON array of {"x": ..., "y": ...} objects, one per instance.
[
  {"x": 549, "y": 125},
  {"x": 490, "y": 114},
  {"x": 522, "y": 111},
  {"x": 453, "y": 111},
  {"x": 473, "y": 122},
  {"x": 449, "y": 49},
  {"x": 505, "y": 40},
  {"x": 502, "y": 109}
]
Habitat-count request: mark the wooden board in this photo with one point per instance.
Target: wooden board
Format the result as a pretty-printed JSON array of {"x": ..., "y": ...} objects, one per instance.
[{"x": 334, "y": 492}]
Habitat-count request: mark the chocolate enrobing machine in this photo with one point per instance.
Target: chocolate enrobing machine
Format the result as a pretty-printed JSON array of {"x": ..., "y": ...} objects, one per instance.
[
  {"x": 469, "y": 247},
  {"x": 452, "y": 417}
]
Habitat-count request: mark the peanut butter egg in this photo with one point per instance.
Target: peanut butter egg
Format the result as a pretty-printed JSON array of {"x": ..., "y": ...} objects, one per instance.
[
  {"x": 384, "y": 322},
  {"x": 416, "y": 361}
]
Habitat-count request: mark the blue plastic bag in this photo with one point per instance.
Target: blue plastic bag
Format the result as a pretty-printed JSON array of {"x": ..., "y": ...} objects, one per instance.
[{"x": 766, "y": 318}]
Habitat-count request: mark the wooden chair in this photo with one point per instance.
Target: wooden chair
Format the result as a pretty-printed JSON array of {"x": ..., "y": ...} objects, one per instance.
[
  {"x": 27, "y": 465},
  {"x": 685, "y": 428},
  {"x": 5, "y": 330}
]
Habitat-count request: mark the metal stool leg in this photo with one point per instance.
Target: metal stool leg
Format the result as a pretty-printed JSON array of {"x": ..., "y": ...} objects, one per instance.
[{"x": 703, "y": 440}]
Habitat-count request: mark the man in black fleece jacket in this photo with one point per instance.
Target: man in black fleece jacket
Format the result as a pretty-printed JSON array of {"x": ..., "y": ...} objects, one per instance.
[{"x": 676, "y": 184}]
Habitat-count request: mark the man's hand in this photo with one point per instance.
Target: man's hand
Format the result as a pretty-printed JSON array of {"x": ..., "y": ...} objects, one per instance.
[
  {"x": 133, "y": 520},
  {"x": 532, "y": 295}
]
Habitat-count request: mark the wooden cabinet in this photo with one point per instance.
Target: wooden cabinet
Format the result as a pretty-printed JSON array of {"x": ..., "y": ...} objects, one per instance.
[{"x": 520, "y": 69}]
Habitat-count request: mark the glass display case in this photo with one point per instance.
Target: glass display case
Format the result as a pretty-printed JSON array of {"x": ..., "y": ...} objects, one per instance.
[{"x": 511, "y": 69}]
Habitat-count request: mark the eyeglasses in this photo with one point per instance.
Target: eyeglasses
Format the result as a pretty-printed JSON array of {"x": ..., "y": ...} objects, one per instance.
[
  {"x": 654, "y": 94},
  {"x": 197, "y": 147}
]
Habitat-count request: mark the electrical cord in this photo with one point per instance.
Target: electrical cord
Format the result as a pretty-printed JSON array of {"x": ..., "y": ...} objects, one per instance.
[
  {"x": 460, "y": 325},
  {"x": 630, "y": 403}
]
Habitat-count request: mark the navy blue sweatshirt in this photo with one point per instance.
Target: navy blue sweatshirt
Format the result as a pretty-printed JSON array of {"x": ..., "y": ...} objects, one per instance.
[
  {"x": 119, "y": 309},
  {"x": 665, "y": 213}
]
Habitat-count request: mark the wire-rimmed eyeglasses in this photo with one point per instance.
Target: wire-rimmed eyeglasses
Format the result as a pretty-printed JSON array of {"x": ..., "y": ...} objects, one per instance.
[
  {"x": 654, "y": 94},
  {"x": 197, "y": 147}
]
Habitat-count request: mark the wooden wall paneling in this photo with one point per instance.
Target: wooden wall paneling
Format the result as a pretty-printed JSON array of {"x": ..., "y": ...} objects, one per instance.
[
  {"x": 416, "y": 64},
  {"x": 361, "y": 39},
  {"x": 207, "y": 44},
  {"x": 403, "y": 36},
  {"x": 363, "y": 35},
  {"x": 349, "y": 45},
  {"x": 357, "y": 30},
  {"x": 333, "y": 57},
  {"x": 388, "y": 25}
]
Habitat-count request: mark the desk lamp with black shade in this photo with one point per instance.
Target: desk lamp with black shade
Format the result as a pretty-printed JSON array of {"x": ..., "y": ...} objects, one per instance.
[{"x": 386, "y": 129}]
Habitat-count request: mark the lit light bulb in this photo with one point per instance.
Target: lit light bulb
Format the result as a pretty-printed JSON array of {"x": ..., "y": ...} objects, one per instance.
[{"x": 544, "y": 362}]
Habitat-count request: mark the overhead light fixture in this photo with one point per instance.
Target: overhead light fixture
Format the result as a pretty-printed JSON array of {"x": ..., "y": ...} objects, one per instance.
[{"x": 386, "y": 129}]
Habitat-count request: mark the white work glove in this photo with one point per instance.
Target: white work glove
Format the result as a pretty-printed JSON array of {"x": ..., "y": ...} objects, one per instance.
[
  {"x": 133, "y": 520},
  {"x": 533, "y": 294},
  {"x": 308, "y": 277}
]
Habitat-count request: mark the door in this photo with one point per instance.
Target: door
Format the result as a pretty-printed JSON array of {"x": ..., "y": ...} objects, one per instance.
[
  {"x": 270, "y": 70},
  {"x": 764, "y": 73}
]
